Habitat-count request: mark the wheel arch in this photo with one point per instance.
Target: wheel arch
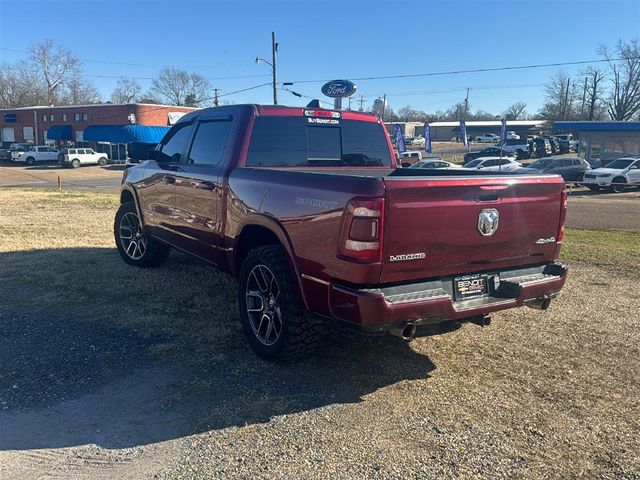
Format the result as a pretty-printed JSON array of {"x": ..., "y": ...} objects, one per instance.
[
  {"x": 128, "y": 194},
  {"x": 257, "y": 231}
]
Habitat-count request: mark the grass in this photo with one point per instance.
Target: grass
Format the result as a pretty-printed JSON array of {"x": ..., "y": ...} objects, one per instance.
[
  {"x": 541, "y": 394},
  {"x": 615, "y": 250}
]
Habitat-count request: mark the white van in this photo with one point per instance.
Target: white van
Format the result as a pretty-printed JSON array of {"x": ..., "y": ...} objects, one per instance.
[{"x": 409, "y": 158}]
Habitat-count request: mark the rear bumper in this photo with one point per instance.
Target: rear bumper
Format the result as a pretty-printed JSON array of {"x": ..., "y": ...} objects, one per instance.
[{"x": 380, "y": 309}]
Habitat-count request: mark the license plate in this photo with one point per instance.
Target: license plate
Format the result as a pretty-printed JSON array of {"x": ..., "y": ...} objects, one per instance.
[{"x": 470, "y": 286}]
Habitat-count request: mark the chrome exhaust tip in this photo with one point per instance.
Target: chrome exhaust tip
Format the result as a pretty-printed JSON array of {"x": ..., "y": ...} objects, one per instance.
[
  {"x": 406, "y": 331},
  {"x": 539, "y": 303}
]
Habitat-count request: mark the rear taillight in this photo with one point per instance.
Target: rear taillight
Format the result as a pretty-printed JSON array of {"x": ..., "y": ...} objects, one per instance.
[
  {"x": 563, "y": 215},
  {"x": 362, "y": 227}
]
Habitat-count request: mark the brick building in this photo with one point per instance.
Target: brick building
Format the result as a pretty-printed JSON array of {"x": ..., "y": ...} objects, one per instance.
[{"x": 66, "y": 125}]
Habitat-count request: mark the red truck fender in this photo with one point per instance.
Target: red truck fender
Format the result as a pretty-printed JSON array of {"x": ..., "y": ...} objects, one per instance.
[
  {"x": 239, "y": 249},
  {"x": 129, "y": 194}
]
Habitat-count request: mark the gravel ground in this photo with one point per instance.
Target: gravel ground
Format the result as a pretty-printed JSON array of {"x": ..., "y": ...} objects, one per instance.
[
  {"x": 536, "y": 395},
  {"x": 128, "y": 373}
]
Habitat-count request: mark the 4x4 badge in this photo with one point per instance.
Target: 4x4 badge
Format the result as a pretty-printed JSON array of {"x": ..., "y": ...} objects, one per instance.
[{"x": 488, "y": 221}]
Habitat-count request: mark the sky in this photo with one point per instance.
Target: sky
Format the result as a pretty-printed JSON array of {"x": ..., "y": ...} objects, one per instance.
[{"x": 323, "y": 40}]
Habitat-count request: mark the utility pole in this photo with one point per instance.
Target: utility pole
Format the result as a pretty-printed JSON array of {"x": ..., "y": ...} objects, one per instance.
[
  {"x": 274, "y": 51},
  {"x": 361, "y": 101},
  {"x": 349, "y": 107},
  {"x": 215, "y": 97},
  {"x": 566, "y": 101},
  {"x": 384, "y": 105},
  {"x": 466, "y": 105},
  {"x": 584, "y": 98}
]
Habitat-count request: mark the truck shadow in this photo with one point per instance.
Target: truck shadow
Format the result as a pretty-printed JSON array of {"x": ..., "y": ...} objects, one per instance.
[{"x": 96, "y": 352}]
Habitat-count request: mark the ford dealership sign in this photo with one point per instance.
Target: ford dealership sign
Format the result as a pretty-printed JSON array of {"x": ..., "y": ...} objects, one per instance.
[{"x": 339, "y": 88}]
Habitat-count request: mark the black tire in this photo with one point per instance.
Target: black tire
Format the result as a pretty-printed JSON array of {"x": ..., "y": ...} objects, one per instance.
[
  {"x": 148, "y": 252},
  {"x": 593, "y": 188},
  {"x": 102, "y": 161},
  {"x": 299, "y": 332},
  {"x": 406, "y": 165},
  {"x": 75, "y": 163},
  {"x": 616, "y": 185},
  {"x": 30, "y": 160}
]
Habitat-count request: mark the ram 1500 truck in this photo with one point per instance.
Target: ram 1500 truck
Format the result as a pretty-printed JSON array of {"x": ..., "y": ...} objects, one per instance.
[{"x": 304, "y": 206}]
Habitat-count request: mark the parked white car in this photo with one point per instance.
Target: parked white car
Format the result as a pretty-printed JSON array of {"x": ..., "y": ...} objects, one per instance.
[
  {"x": 511, "y": 135},
  {"x": 493, "y": 164},
  {"x": 74, "y": 157},
  {"x": 487, "y": 138},
  {"x": 35, "y": 154},
  {"x": 616, "y": 176},
  {"x": 409, "y": 158},
  {"x": 434, "y": 163},
  {"x": 418, "y": 141}
]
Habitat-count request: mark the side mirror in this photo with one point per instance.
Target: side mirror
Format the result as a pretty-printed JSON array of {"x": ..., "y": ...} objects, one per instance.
[{"x": 479, "y": 167}]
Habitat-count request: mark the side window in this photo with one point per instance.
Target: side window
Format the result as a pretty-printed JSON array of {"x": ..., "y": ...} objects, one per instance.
[
  {"x": 173, "y": 145},
  {"x": 81, "y": 151},
  {"x": 208, "y": 143},
  {"x": 89, "y": 150},
  {"x": 488, "y": 163}
]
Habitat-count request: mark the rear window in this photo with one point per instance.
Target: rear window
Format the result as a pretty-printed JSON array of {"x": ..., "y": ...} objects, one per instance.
[{"x": 296, "y": 142}]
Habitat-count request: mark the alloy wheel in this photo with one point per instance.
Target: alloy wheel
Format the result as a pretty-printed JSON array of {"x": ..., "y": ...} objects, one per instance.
[
  {"x": 132, "y": 238},
  {"x": 263, "y": 309}
]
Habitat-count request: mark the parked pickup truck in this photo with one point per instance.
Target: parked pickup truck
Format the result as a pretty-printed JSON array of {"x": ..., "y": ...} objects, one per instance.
[{"x": 305, "y": 208}]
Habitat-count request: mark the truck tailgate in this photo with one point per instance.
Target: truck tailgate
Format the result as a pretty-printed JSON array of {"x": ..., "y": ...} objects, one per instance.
[{"x": 432, "y": 227}]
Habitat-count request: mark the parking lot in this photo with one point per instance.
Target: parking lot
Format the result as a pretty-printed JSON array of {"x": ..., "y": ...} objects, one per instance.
[{"x": 145, "y": 372}]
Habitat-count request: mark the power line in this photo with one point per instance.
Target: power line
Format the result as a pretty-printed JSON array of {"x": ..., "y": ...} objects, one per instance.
[
  {"x": 475, "y": 70},
  {"x": 153, "y": 78},
  {"x": 151, "y": 65}
]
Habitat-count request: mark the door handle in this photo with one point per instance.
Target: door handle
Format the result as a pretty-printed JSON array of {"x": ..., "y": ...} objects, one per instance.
[{"x": 168, "y": 179}]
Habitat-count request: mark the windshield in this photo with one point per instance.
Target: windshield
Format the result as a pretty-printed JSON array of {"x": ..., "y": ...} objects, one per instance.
[
  {"x": 473, "y": 163},
  {"x": 620, "y": 164}
]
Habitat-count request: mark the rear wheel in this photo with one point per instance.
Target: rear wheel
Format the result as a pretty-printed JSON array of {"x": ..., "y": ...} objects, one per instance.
[
  {"x": 102, "y": 161},
  {"x": 618, "y": 185},
  {"x": 275, "y": 321},
  {"x": 75, "y": 163},
  {"x": 134, "y": 246}
]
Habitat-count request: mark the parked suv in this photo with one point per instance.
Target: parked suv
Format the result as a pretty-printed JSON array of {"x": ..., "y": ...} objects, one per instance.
[
  {"x": 616, "y": 176},
  {"x": 74, "y": 157},
  {"x": 570, "y": 169}
]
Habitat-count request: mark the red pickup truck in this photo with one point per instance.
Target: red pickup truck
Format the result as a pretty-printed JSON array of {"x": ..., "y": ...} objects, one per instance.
[{"x": 306, "y": 208}]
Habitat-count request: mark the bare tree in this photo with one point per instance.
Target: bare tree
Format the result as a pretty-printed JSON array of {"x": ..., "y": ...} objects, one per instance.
[
  {"x": 56, "y": 65},
  {"x": 179, "y": 87},
  {"x": 79, "y": 91},
  {"x": 593, "y": 107},
  {"x": 20, "y": 86},
  {"x": 127, "y": 90},
  {"x": 561, "y": 98},
  {"x": 515, "y": 110},
  {"x": 408, "y": 114},
  {"x": 624, "y": 74}
]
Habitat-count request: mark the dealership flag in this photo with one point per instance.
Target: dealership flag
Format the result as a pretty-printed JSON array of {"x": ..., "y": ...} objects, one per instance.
[
  {"x": 463, "y": 134},
  {"x": 399, "y": 138},
  {"x": 503, "y": 131},
  {"x": 427, "y": 138}
]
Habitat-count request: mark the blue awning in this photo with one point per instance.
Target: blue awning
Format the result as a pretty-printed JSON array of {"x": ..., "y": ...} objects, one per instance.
[
  {"x": 586, "y": 126},
  {"x": 59, "y": 132},
  {"x": 124, "y": 133}
]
